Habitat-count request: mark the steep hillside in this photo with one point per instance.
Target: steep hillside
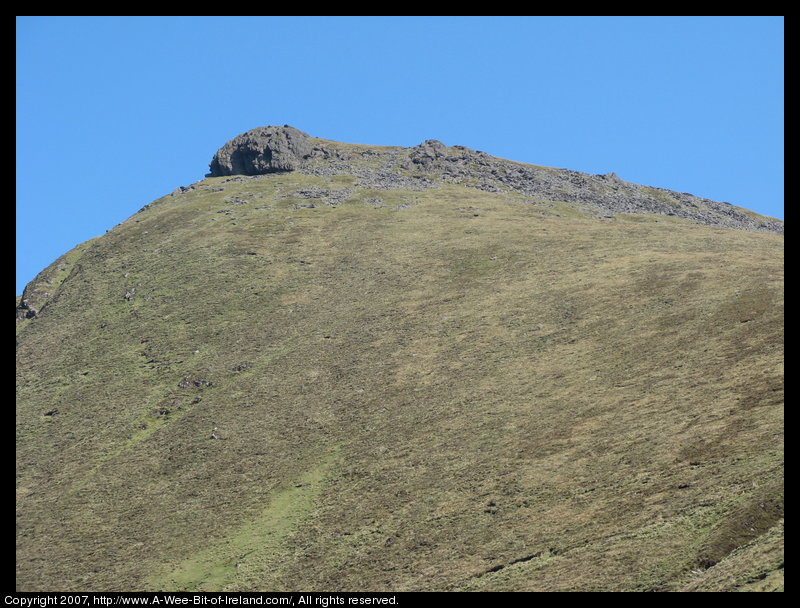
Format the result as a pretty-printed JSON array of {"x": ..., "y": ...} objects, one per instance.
[{"x": 339, "y": 367}]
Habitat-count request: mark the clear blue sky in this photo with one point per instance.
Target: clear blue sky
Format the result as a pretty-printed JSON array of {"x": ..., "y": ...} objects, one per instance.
[{"x": 114, "y": 112}]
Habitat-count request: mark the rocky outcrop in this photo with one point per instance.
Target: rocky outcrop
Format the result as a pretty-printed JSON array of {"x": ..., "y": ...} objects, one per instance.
[
  {"x": 262, "y": 150},
  {"x": 42, "y": 289},
  {"x": 427, "y": 153},
  {"x": 433, "y": 164}
]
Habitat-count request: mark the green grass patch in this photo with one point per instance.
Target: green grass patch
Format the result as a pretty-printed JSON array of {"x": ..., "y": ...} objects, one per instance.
[{"x": 254, "y": 555}]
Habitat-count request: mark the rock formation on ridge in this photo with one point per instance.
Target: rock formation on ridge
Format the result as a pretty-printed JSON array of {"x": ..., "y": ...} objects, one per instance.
[
  {"x": 273, "y": 149},
  {"x": 262, "y": 150}
]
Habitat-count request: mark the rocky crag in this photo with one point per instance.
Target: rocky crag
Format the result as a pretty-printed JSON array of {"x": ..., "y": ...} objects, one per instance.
[
  {"x": 430, "y": 164},
  {"x": 273, "y": 150}
]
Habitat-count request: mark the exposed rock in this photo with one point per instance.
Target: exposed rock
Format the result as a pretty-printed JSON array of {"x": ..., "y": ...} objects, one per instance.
[
  {"x": 262, "y": 150},
  {"x": 330, "y": 197},
  {"x": 24, "y": 310},
  {"x": 43, "y": 288},
  {"x": 193, "y": 381},
  {"x": 432, "y": 164},
  {"x": 182, "y": 190},
  {"x": 388, "y": 180},
  {"x": 427, "y": 153}
]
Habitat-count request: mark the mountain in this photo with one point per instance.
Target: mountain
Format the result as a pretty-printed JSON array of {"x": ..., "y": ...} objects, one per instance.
[{"x": 332, "y": 366}]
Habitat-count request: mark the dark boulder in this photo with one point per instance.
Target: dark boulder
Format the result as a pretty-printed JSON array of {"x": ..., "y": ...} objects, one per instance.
[
  {"x": 427, "y": 153},
  {"x": 262, "y": 150}
]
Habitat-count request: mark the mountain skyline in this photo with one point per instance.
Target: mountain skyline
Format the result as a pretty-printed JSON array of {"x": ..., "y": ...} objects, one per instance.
[
  {"x": 114, "y": 112},
  {"x": 369, "y": 368}
]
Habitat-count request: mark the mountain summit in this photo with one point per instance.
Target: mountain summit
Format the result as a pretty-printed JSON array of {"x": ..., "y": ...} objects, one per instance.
[
  {"x": 331, "y": 366},
  {"x": 277, "y": 149},
  {"x": 260, "y": 151}
]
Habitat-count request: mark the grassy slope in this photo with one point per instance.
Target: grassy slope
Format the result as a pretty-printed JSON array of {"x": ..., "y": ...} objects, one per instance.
[{"x": 469, "y": 393}]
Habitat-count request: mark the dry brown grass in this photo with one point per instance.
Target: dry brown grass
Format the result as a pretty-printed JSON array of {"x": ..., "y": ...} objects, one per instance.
[{"x": 488, "y": 394}]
